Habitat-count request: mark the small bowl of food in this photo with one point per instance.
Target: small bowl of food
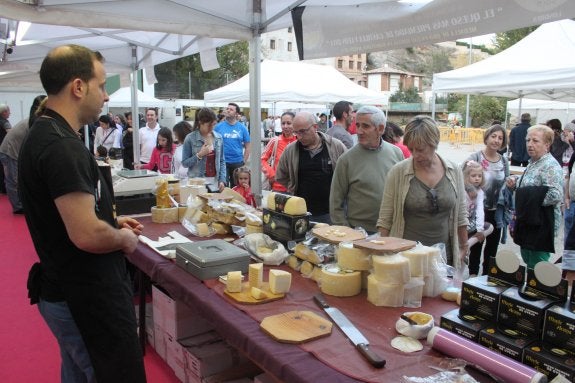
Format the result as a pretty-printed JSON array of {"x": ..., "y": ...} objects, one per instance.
[{"x": 414, "y": 324}]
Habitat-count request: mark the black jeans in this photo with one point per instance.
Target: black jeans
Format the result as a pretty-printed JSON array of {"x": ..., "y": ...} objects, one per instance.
[{"x": 491, "y": 245}]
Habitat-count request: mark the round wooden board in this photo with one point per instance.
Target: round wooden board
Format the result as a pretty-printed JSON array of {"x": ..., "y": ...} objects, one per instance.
[
  {"x": 326, "y": 233},
  {"x": 385, "y": 244},
  {"x": 296, "y": 327},
  {"x": 245, "y": 296}
]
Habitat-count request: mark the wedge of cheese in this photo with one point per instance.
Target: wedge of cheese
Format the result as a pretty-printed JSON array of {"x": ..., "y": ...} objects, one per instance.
[
  {"x": 340, "y": 283},
  {"x": 306, "y": 269},
  {"x": 306, "y": 254},
  {"x": 234, "y": 282},
  {"x": 280, "y": 281},
  {"x": 391, "y": 269},
  {"x": 287, "y": 204},
  {"x": 352, "y": 258},
  {"x": 256, "y": 274},
  {"x": 258, "y": 293},
  {"x": 294, "y": 262},
  {"x": 221, "y": 228}
]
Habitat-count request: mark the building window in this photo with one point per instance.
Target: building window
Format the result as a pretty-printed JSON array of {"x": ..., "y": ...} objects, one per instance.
[
  {"x": 289, "y": 46},
  {"x": 359, "y": 65},
  {"x": 340, "y": 64},
  {"x": 289, "y": 29},
  {"x": 351, "y": 65},
  {"x": 272, "y": 44}
]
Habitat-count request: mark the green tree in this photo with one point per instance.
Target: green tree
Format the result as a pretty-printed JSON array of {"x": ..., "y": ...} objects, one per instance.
[
  {"x": 174, "y": 76},
  {"x": 482, "y": 109},
  {"x": 504, "y": 40},
  {"x": 408, "y": 95}
]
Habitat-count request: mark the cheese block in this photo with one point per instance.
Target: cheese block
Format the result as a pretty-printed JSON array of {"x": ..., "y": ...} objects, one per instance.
[
  {"x": 381, "y": 294},
  {"x": 250, "y": 229},
  {"x": 257, "y": 293},
  {"x": 164, "y": 215},
  {"x": 203, "y": 229},
  {"x": 316, "y": 274},
  {"x": 340, "y": 283},
  {"x": 306, "y": 254},
  {"x": 221, "y": 228},
  {"x": 287, "y": 204},
  {"x": 351, "y": 258},
  {"x": 234, "y": 282},
  {"x": 294, "y": 262},
  {"x": 428, "y": 281},
  {"x": 306, "y": 269},
  {"x": 280, "y": 281},
  {"x": 419, "y": 259},
  {"x": 256, "y": 274},
  {"x": 391, "y": 269}
]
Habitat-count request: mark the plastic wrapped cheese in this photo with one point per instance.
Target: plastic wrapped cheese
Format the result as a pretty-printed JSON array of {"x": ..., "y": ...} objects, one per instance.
[
  {"x": 428, "y": 287},
  {"x": 391, "y": 269},
  {"x": 338, "y": 282},
  {"x": 287, "y": 204},
  {"x": 352, "y": 258},
  {"x": 306, "y": 254},
  {"x": 418, "y": 260},
  {"x": 382, "y": 294},
  {"x": 413, "y": 292}
]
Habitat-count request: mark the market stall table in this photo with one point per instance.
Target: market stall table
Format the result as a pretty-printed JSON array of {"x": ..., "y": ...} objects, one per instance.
[{"x": 330, "y": 359}]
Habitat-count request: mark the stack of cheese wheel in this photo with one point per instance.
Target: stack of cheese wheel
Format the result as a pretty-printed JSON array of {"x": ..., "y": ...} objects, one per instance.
[
  {"x": 385, "y": 286},
  {"x": 423, "y": 262},
  {"x": 353, "y": 258},
  {"x": 339, "y": 282}
]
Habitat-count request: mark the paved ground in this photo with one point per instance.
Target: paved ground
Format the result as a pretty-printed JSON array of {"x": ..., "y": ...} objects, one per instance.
[{"x": 458, "y": 155}]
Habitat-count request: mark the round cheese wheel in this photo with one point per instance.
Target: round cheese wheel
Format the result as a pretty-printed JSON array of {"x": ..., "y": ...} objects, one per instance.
[
  {"x": 382, "y": 294},
  {"x": 340, "y": 283}
]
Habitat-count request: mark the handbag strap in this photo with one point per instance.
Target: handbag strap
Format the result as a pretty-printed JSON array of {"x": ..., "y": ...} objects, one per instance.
[
  {"x": 108, "y": 135},
  {"x": 273, "y": 156}
]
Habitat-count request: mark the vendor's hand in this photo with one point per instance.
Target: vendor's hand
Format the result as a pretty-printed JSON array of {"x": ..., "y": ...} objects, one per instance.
[
  {"x": 130, "y": 240},
  {"x": 137, "y": 166},
  {"x": 221, "y": 186},
  {"x": 130, "y": 223},
  {"x": 463, "y": 250}
]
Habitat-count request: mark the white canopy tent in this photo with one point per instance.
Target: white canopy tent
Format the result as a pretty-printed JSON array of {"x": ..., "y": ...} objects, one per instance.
[
  {"x": 325, "y": 28},
  {"x": 539, "y": 66},
  {"x": 122, "y": 98},
  {"x": 542, "y": 110},
  {"x": 297, "y": 82}
]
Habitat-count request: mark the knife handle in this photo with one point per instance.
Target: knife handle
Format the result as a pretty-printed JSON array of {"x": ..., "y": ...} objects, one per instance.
[
  {"x": 374, "y": 359},
  {"x": 320, "y": 300}
]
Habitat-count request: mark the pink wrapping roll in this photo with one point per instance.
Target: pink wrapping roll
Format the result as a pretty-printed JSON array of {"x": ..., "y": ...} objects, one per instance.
[{"x": 499, "y": 365}]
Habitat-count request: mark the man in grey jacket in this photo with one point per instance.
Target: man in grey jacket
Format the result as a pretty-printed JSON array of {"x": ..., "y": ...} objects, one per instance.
[
  {"x": 306, "y": 166},
  {"x": 343, "y": 113}
]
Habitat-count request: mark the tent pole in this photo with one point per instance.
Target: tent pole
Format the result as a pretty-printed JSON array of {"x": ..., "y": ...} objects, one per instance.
[
  {"x": 433, "y": 105},
  {"x": 135, "y": 117},
  {"x": 467, "y": 121},
  {"x": 255, "y": 104}
]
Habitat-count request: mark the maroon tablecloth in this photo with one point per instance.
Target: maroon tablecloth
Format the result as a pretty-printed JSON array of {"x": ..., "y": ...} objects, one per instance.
[{"x": 330, "y": 359}]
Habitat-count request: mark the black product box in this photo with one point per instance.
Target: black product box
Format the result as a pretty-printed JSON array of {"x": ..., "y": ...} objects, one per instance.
[
  {"x": 285, "y": 227},
  {"x": 550, "y": 361},
  {"x": 559, "y": 326},
  {"x": 211, "y": 258},
  {"x": 503, "y": 343},
  {"x": 467, "y": 327},
  {"x": 480, "y": 297},
  {"x": 522, "y": 313}
]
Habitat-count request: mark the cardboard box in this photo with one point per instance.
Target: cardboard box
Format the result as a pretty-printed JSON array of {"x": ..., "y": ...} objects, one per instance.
[
  {"x": 539, "y": 356},
  {"x": 480, "y": 298},
  {"x": 284, "y": 227},
  {"x": 159, "y": 341},
  {"x": 468, "y": 328},
  {"x": 559, "y": 326},
  {"x": 522, "y": 314},
  {"x": 504, "y": 344},
  {"x": 176, "y": 318},
  {"x": 211, "y": 258},
  {"x": 212, "y": 358},
  {"x": 175, "y": 357}
]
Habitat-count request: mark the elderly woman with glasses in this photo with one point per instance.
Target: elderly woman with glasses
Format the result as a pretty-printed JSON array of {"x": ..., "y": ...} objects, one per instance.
[{"x": 424, "y": 195}]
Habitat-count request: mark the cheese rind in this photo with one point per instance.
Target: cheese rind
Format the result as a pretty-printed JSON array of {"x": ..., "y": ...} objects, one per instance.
[
  {"x": 256, "y": 274},
  {"x": 280, "y": 281},
  {"x": 287, "y": 204},
  {"x": 234, "y": 282},
  {"x": 340, "y": 283}
]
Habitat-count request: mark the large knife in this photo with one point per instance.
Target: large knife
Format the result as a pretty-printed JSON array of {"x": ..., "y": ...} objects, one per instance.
[{"x": 356, "y": 337}]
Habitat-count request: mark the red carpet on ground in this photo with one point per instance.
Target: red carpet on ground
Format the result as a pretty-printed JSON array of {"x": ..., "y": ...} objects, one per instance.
[{"x": 28, "y": 350}]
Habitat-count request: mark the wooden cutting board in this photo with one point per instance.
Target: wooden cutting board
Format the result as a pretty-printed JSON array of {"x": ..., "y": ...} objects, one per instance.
[
  {"x": 245, "y": 296},
  {"x": 385, "y": 244},
  {"x": 336, "y": 234},
  {"x": 296, "y": 327}
]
